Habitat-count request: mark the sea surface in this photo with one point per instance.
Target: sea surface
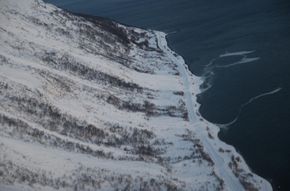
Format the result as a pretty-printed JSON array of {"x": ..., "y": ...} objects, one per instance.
[{"x": 247, "y": 93}]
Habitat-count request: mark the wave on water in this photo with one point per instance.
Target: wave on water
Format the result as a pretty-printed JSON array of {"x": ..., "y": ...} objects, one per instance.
[
  {"x": 209, "y": 73},
  {"x": 209, "y": 68},
  {"x": 240, "y": 53},
  {"x": 171, "y": 32},
  {"x": 252, "y": 99},
  {"x": 244, "y": 60}
]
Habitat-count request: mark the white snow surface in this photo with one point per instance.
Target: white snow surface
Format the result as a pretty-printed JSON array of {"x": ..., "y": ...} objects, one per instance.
[{"x": 89, "y": 104}]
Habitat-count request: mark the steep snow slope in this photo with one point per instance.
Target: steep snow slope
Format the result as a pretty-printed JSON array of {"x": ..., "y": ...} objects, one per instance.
[{"x": 88, "y": 104}]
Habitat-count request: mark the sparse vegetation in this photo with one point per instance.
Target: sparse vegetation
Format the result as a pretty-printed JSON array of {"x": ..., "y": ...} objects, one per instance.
[
  {"x": 70, "y": 121},
  {"x": 241, "y": 175},
  {"x": 69, "y": 63}
]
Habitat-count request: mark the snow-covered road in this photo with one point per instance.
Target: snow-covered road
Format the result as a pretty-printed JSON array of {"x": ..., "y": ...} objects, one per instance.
[{"x": 222, "y": 168}]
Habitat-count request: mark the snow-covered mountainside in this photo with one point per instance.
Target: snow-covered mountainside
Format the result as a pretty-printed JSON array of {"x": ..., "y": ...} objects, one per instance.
[{"x": 89, "y": 104}]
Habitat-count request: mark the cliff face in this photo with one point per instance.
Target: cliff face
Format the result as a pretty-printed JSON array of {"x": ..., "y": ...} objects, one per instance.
[{"x": 89, "y": 104}]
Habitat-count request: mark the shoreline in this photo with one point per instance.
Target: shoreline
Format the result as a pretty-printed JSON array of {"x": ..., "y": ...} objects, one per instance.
[
  {"x": 195, "y": 89},
  {"x": 168, "y": 143},
  {"x": 197, "y": 119}
]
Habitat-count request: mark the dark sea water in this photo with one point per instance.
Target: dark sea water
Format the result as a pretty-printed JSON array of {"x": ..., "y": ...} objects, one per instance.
[{"x": 257, "y": 92}]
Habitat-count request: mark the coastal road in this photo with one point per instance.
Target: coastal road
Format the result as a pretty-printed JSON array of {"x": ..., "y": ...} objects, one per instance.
[{"x": 222, "y": 169}]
